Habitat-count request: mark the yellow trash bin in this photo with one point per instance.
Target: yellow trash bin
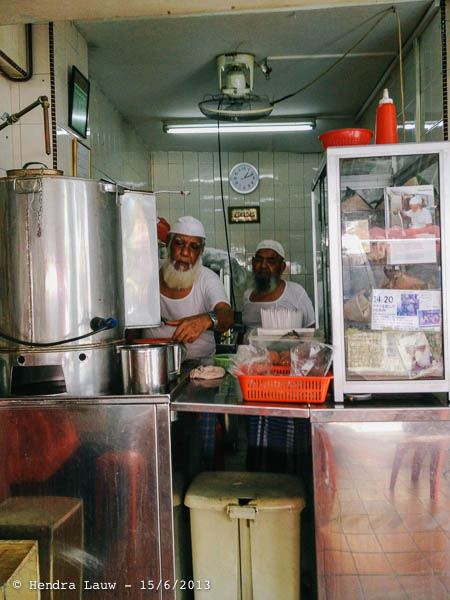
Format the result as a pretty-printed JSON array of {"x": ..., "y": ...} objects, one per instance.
[{"x": 245, "y": 530}]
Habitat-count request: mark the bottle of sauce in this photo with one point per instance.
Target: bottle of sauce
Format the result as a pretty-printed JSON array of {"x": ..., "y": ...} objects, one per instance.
[{"x": 386, "y": 123}]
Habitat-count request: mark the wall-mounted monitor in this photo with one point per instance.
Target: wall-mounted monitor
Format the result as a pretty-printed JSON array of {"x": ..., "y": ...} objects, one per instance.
[{"x": 78, "y": 102}]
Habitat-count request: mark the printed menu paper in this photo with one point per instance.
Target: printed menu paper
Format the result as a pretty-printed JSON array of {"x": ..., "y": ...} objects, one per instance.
[{"x": 408, "y": 310}]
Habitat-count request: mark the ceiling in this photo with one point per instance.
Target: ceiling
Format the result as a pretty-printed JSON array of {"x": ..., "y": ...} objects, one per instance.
[{"x": 160, "y": 68}]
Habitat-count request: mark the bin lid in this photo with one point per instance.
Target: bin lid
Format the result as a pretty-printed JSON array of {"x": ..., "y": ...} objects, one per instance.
[{"x": 268, "y": 491}]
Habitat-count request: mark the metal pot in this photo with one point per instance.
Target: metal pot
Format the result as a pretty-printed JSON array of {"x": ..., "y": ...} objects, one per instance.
[{"x": 149, "y": 368}]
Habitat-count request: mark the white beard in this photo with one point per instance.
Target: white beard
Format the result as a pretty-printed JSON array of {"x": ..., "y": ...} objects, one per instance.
[{"x": 180, "y": 280}]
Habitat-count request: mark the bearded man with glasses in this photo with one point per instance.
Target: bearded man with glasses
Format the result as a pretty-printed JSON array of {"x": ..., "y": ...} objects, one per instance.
[{"x": 194, "y": 303}]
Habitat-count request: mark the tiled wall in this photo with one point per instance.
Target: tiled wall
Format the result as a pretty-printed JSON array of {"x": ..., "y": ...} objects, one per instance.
[
  {"x": 24, "y": 141},
  {"x": 422, "y": 68},
  {"x": 118, "y": 152},
  {"x": 283, "y": 196}
]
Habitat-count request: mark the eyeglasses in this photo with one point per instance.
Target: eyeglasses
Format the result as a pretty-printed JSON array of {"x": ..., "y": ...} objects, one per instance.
[
  {"x": 271, "y": 261},
  {"x": 192, "y": 246}
]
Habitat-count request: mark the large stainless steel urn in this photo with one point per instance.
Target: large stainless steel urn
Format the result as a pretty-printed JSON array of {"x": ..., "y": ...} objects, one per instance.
[{"x": 66, "y": 247}]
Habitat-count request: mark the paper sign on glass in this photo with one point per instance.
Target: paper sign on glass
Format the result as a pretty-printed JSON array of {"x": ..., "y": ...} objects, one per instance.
[{"x": 408, "y": 310}]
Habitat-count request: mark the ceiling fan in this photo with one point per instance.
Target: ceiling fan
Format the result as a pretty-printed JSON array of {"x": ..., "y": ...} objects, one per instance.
[{"x": 236, "y": 102}]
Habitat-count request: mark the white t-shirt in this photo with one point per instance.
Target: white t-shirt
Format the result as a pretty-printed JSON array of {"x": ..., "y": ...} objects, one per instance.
[
  {"x": 294, "y": 296},
  {"x": 205, "y": 294},
  {"x": 420, "y": 218}
]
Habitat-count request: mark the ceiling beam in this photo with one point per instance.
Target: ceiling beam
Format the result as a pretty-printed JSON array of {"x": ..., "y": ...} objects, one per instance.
[{"x": 30, "y": 11}]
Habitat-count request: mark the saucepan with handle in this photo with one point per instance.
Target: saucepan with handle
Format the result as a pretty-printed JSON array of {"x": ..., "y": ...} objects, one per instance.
[{"x": 149, "y": 368}]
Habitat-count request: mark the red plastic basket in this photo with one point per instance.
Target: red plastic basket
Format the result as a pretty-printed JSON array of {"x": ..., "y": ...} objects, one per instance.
[
  {"x": 345, "y": 137},
  {"x": 284, "y": 388}
]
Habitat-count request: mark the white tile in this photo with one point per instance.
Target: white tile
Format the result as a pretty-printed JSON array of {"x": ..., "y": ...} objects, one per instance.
[
  {"x": 6, "y": 152},
  {"x": 205, "y": 158},
  {"x": 159, "y": 158},
  {"x": 281, "y": 195},
  {"x": 33, "y": 144},
  {"x": 281, "y": 158},
  {"x": 281, "y": 218},
  {"x": 206, "y": 172},
  {"x": 252, "y": 157},
  {"x": 235, "y": 157},
  {"x": 190, "y": 158},
  {"x": 5, "y": 95},
  {"x": 162, "y": 205},
  {"x": 296, "y": 218},
  {"x": 175, "y": 158},
  {"x": 14, "y": 97},
  {"x": 175, "y": 176},
  {"x": 295, "y": 169},
  {"x": 281, "y": 173},
  {"x": 267, "y": 218},
  {"x": 41, "y": 56},
  {"x": 161, "y": 176},
  {"x": 265, "y": 163}
]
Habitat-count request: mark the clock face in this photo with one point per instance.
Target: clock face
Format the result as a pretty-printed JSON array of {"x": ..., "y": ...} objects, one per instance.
[{"x": 244, "y": 178}]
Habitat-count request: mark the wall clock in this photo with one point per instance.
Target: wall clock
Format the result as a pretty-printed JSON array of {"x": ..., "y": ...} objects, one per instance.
[{"x": 244, "y": 178}]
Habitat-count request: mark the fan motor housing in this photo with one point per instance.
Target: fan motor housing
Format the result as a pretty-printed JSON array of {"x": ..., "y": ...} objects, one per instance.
[{"x": 235, "y": 73}]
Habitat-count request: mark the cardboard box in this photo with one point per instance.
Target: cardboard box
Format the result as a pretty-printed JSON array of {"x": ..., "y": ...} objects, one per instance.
[
  {"x": 56, "y": 523},
  {"x": 18, "y": 566}
]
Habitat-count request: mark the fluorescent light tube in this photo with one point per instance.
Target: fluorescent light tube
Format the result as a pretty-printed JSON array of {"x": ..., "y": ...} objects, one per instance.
[{"x": 259, "y": 127}]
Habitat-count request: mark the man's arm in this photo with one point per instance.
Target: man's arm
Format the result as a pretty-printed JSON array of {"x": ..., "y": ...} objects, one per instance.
[{"x": 189, "y": 329}]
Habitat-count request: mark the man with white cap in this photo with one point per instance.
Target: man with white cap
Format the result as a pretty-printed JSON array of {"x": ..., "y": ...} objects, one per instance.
[
  {"x": 417, "y": 213},
  {"x": 271, "y": 439},
  {"x": 270, "y": 290},
  {"x": 194, "y": 303}
]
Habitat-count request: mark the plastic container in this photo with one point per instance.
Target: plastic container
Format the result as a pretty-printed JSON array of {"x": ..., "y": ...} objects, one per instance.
[
  {"x": 346, "y": 137},
  {"x": 245, "y": 530},
  {"x": 386, "y": 122},
  {"x": 223, "y": 360},
  {"x": 284, "y": 388}
]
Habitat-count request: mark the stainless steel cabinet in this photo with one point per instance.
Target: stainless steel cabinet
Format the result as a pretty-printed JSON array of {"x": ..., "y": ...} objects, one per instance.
[
  {"x": 89, "y": 479},
  {"x": 381, "y": 227}
]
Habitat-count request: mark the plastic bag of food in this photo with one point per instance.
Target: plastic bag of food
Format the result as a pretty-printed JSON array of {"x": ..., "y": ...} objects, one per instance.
[
  {"x": 311, "y": 359},
  {"x": 251, "y": 360}
]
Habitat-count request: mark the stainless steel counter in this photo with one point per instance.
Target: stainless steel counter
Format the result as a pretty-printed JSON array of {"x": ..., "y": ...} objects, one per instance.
[
  {"x": 381, "y": 499},
  {"x": 381, "y": 485},
  {"x": 90, "y": 479},
  {"x": 224, "y": 396}
]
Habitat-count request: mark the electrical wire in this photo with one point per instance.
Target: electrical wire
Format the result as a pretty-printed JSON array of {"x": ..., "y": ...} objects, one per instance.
[
  {"x": 341, "y": 58},
  {"x": 28, "y": 74},
  {"x": 233, "y": 299},
  {"x": 109, "y": 323}
]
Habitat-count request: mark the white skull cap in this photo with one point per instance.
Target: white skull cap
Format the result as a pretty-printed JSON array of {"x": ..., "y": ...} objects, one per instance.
[
  {"x": 415, "y": 200},
  {"x": 271, "y": 245},
  {"x": 188, "y": 226}
]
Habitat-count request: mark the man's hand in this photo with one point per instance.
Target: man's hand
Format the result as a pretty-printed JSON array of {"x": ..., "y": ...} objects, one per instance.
[{"x": 190, "y": 328}]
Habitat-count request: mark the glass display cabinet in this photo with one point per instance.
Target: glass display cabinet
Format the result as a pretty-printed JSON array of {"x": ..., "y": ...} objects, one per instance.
[{"x": 381, "y": 223}]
